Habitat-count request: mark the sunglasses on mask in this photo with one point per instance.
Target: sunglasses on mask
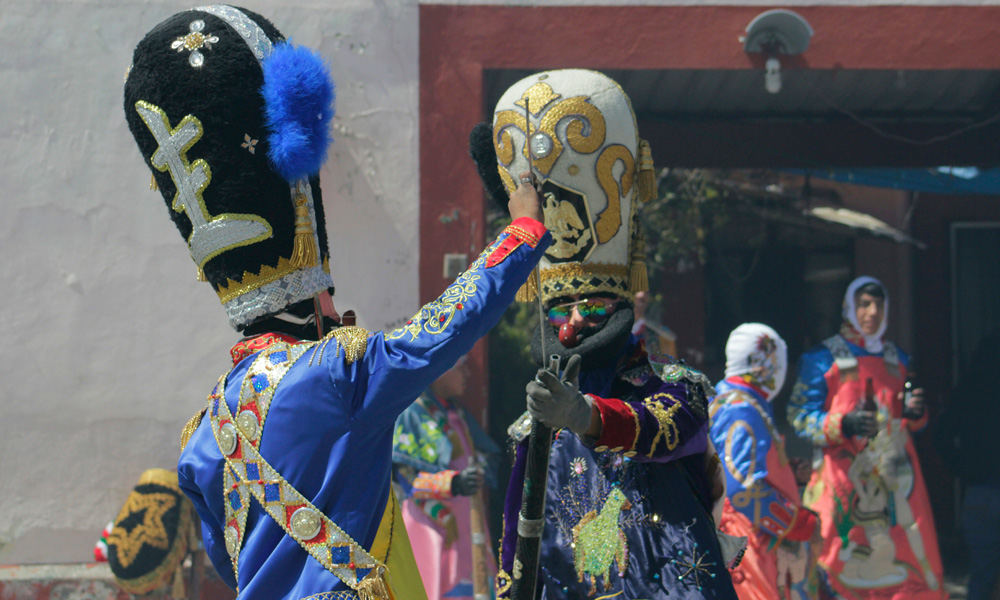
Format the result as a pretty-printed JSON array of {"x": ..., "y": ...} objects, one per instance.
[{"x": 595, "y": 310}]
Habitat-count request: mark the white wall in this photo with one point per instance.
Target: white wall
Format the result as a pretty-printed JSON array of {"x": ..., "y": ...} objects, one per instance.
[{"x": 109, "y": 343}]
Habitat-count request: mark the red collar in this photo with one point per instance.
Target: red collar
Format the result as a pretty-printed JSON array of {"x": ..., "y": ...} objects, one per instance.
[
  {"x": 253, "y": 345},
  {"x": 743, "y": 380}
]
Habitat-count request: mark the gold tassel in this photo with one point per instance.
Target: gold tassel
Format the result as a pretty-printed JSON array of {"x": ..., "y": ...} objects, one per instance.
[
  {"x": 375, "y": 585},
  {"x": 647, "y": 174},
  {"x": 152, "y": 183},
  {"x": 638, "y": 279},
  {"x": 201, "y": 275},
  {"x": 529, "y": 291},
  {"x": 304, "y": 252}
]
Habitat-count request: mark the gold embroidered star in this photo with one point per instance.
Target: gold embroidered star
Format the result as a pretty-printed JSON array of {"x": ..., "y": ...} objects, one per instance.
[{"x": 150, "y": 531}]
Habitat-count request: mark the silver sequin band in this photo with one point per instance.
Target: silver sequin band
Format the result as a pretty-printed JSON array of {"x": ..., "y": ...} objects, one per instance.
[
  {"x": 251, "y": 33},
  {"x": 529, "y": 528},
  {"x": 275, "y": 296},
  {"x": 334, "y": 596}
]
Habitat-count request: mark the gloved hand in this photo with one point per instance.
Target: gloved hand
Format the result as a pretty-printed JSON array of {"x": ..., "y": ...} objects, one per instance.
[
  {"x": 467, "y": 482},
  {"x": 558, "y": 402},
  {"x": 859, "y": 422},
  {"x": 916, "y": 407}
]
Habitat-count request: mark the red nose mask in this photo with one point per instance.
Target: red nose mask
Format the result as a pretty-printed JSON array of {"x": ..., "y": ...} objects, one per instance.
[{"x": 568, "y": 335}]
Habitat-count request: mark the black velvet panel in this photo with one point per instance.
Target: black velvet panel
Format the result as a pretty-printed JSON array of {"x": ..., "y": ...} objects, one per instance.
[{"x": 224, "y": 94}]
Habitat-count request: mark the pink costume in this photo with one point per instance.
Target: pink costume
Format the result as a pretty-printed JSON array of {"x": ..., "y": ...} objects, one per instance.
[{"x": 433, "y": 441}]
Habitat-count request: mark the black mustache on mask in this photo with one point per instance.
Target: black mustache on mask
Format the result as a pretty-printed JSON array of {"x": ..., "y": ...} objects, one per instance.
[{"x": 598, "y": 346}]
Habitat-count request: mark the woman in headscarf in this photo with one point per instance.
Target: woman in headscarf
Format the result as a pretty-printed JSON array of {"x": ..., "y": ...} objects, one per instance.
[
  {"x": 762, "y": 496},
  {"x": 879, "y": 539}
]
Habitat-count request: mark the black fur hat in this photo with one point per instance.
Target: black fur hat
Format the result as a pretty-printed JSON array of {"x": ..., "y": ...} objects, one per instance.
[{"x": 234, "y": 124}]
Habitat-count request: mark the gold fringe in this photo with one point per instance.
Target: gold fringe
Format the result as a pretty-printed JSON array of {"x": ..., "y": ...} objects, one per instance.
[
  {"x": 647, "y": 174},
  {"x": 304, "y": 253},
  {"x": 152, "y": 183},
  {"x": 529, "y": 291},
  {"x": 638, "y": 279},
  {"x": 201, "y": 275},
  {"x": 190, "y": 428},
  {"x": 375, "y": 585}
]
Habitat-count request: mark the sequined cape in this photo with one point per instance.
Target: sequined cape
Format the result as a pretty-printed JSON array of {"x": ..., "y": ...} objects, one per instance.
[
  {"x": 657, "y": 433},
  {"x": 329, "y": 428},
  {"x": 420, "y": 439}
]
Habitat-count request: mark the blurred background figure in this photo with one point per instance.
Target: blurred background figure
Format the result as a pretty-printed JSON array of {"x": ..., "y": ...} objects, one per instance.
[
  {"x": 441, "y": 459},
  {"x": 658, "y": 337},
  {"x": 763, "y": 501},
  {"x": 879, "y": 539},
  {"x": 968, "y": 436}
]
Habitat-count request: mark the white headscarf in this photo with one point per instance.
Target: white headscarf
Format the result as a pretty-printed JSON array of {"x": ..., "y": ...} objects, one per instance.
[
  {"x": 757, "y": 351},
  {"x": 873, "y": 343}
]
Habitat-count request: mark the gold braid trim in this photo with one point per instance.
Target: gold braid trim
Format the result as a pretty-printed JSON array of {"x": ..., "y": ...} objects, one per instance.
[
  {"x": 579, "y": 278},
  {"x": 250, "y": 281}
]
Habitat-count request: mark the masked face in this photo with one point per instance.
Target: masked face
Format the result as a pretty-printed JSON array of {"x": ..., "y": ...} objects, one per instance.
[
  {"x": 757, "y": 354},
  {"x": 598, "y": 345}
]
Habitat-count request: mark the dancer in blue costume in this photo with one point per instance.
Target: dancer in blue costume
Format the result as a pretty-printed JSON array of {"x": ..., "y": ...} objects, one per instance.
[
  {"x": 763, "y": 497},
  {"x": 289, "y": 463},
  {"x": 629, "y": 491}
]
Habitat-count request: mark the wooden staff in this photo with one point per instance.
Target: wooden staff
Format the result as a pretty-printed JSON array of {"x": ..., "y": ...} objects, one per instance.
[{"x": 480, "y": 574}]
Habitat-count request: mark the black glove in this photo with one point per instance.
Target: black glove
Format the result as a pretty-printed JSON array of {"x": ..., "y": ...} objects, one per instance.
[
  {"x": 917, "y": 407},
  {"x": 859, "y": 422},
  {"x": 467, "y": 482}
]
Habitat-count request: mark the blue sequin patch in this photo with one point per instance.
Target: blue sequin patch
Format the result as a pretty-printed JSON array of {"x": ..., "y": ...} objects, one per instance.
[
  {"x": 215, "y": 408},
  {"x": 234, "y": 500},
  {"x": 252, "y": 471},
  {"x": 361, "y": 572},
  {"x": 272, "y": 492},
  {"x": 260, "y": 382},
  {"x": 340, "y": 555},
  {"x": 278, "y": 357}
]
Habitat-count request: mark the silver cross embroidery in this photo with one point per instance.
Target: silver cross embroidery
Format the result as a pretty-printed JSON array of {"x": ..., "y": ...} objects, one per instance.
[
  {"x": 194, "y": 41},
  {"x": 210, "y": 235}
]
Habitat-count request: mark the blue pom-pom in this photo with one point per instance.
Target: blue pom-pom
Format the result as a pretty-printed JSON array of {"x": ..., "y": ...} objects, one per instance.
[{"x": 298, "y": 103}]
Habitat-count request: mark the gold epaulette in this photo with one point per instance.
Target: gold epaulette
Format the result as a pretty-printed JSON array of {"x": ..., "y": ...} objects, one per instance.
[
  {"x": 188, "y": 430},
  {"x": 354, "y": 341}
]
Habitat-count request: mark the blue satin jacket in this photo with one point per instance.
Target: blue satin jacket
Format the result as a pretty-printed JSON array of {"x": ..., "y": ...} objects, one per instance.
[{"x": 330, "y": 423}]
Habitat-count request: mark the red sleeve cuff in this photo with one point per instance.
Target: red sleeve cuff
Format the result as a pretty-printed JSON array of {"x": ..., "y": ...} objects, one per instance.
[
  {"x": 522, "y": 231},
  {"x": 527, "y": 230},
  {"x": 803, "y": 527},
  {"x": 619, "y": 425},
  {"x": 428, "y": 486},
  {"x": 833, "y": 429}
]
